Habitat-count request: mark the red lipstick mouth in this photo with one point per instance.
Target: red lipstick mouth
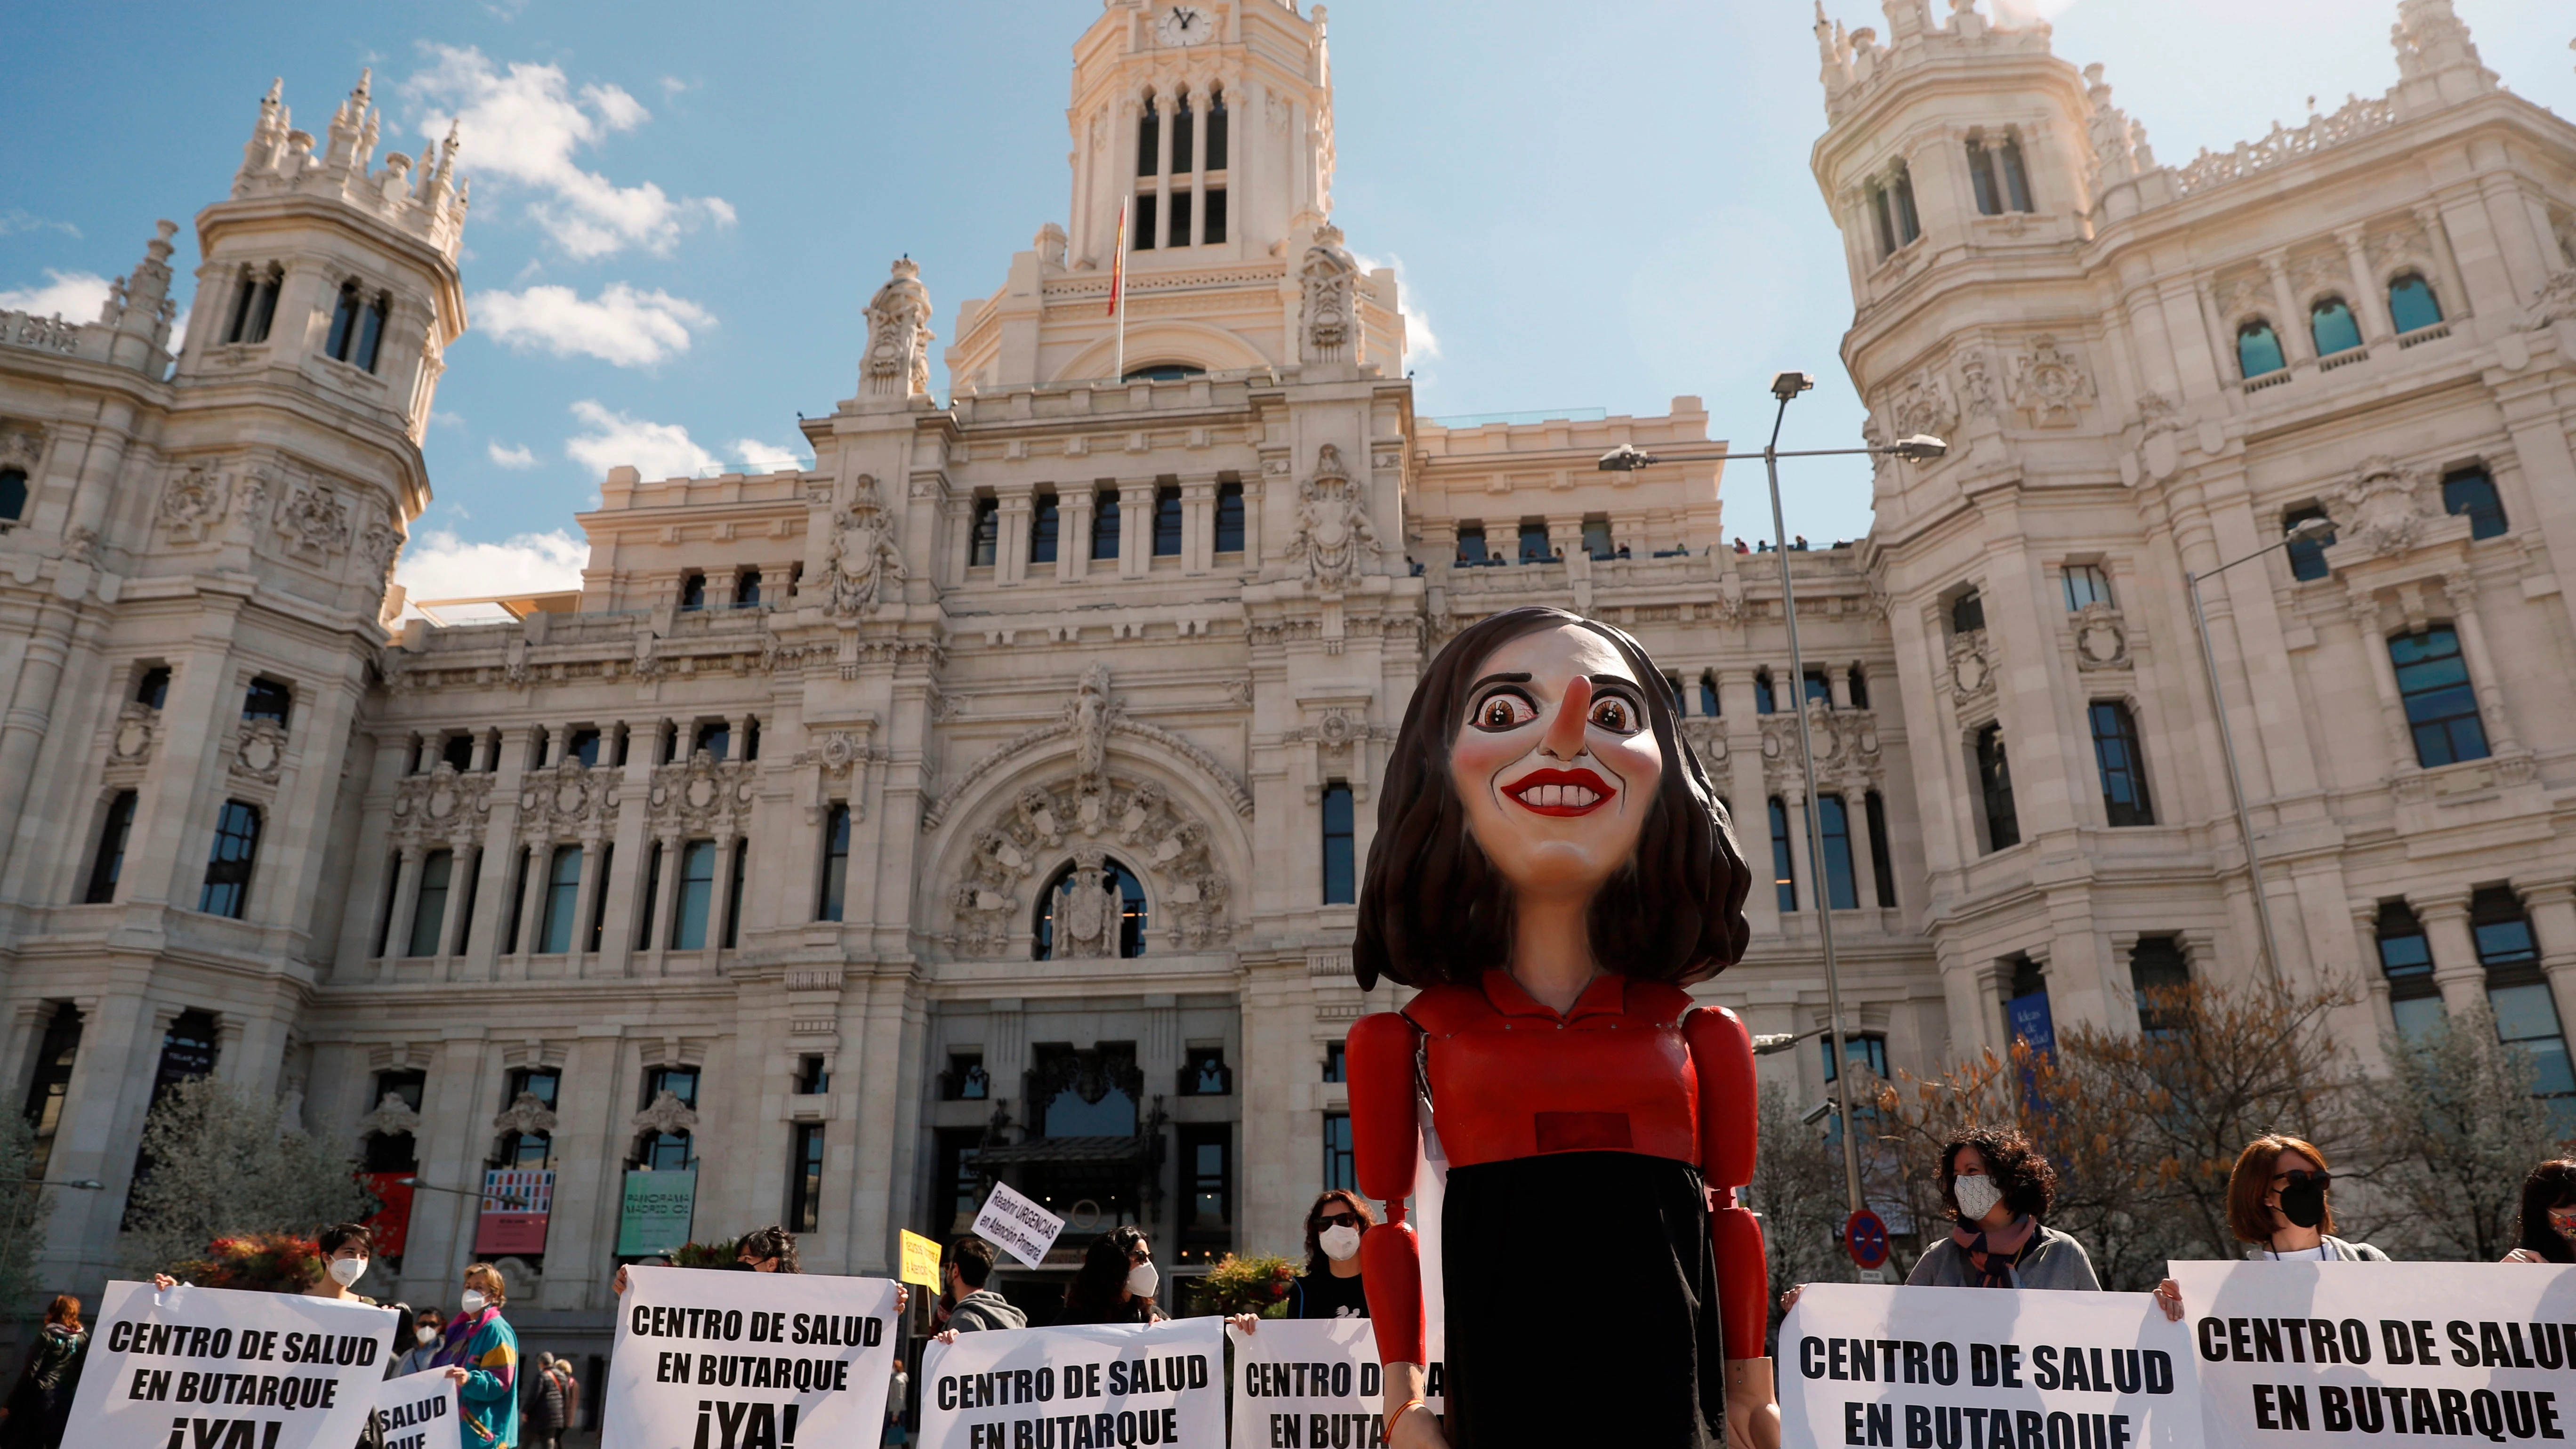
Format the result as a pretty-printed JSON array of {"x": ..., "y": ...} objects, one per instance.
[{"x": 1561, "y": 792}]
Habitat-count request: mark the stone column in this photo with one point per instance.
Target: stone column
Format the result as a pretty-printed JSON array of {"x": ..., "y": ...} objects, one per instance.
[
  {"x": 30, "y": 712},
  {"x": 729, "y": 844},
  {"x": 1864, "y": 854},
  {"x": 666, "y": 902},
  {"x": 1135, "y": 529},
  {"x": 406, "y": 902},
  {"x": 2454, "y": 293},
  {"x": 1811, "y": 891},
  {"x": 2551, "y": 901},
  {"x": 2383, "y": 676},
  {"x": 2296, "y": 345},
  {"x": 1011, "y": 551},
  {"x": 1073, "y": 517},
  {"x": 593, "y": 881},
  {"x": 1198, "y": 524},
  {"x": 2456, "y": 969},
  {"x": 2365, "y": 928},
  {"x": 464, "y": 867},
  {"x": 2462, "y": 590},
  {"x": 2370, "y": 300}
]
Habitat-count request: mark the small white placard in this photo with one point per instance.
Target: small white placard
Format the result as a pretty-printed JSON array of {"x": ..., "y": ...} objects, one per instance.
[{"x": 1013, "y": 1222}]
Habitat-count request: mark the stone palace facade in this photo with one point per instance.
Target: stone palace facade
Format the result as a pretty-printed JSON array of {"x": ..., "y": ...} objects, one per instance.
[{"x": 987, "y": 800}]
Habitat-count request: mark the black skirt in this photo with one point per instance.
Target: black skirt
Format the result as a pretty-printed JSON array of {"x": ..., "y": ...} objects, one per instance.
[{"x": 1581, "y": 1299}]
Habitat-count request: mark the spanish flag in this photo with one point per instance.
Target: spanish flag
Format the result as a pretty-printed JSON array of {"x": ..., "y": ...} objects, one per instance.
[{"x": 1118, "y": 261}]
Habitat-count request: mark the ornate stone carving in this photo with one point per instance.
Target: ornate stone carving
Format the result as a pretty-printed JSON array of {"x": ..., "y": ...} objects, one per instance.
[
  {"x": 136, "y": 723},
  {"x": 1089, "y": 713},
  {"x": 1972, "y": 675},
  {"x": 442, "y": 805},
  {"x": 1708, "y": 738},
  {"x": 1334, "y": 535},
  {"x": 899, "y": 336},
  {"x": 700, "y": 795},
  {"x": 1088, "y": 909},
  {"x": 193, "y": 503},
  {"x": 863, "y": 561},
  {"x": 526, "y": 1113},
  {"x": 2101, "y": 638},
  {"x": 2049, "y": 384},
  {"x": 314, "y": 522},
  {"x": 668, "y": 1114},
  {"x": 1328, "y": 286},
  {"x": 378, "y": 546},
  {"x": 568, "y": 802},
  {"x": 392, "y": 1117},
  {"x": 259, "y": 751},
  {"x": 1165, "y": 845},
  {"x": 2383, "y": 508},
  {"x": 1976, "y": 385},
  {"x": 1923, "y": 405},
  {"x": 2556, "y": 302},
  {"x": 2159, "y": 414},
  {"x": 1091, "y": 709},
  {"x": 1847, "y": 748}
]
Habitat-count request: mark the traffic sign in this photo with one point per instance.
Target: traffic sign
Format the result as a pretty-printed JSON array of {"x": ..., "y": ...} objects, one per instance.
[{"x": 1865, "y": 1238}]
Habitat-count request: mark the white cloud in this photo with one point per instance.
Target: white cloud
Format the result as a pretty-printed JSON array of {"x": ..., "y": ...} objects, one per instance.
[
  {"x": 72, "y": 296},
  {"x": 759, "y": 457},
  {"x": 18, "y": 218},
  {"x": 658, "y": 450},
  {"x": 672, "y": 85},
  {"x": 514, "y": 456},
  {"x": 437, "y": 564},
  {"x": 621, "y": 326},
  {"x": 523, "y": 126},
  {"x": 1420, "y": 343}
]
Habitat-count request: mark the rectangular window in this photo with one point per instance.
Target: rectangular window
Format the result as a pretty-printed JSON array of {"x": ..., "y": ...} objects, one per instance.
[
  {"x": 697, "y": 896},
  {"x": 1868, "y": 1048},
  {"x": 1207, "y": 1191},
  {"x": 1167, "y": 522},
  {"x": 2472, "y": 492},
  {"x": 965, "y": 1080},
  {"x": 1042, "y": 529},
  {"x": 1340, "y": 858},
  {"x": 986, "y": 538},
  {"x": 1339, "y": 1164},
  {"x": 652, "y": 894},
  {"x": 1104, "y": 524},
  {"x": 1180, "y": 234},
  {"x": 1857, "y": 683},
  {"x": 48, "y": 1093},
  {"x": 429, "y": 906},
  {"x": 1149, "y": 140},
  {"x": 109, "y": 863},
  {"x": 1216, "y": 131},
  {"x": 1882, "y": 860},
  {"x": 1212, "y": 206},
  {"x": 1673, "y": 690},
  {"x": 836, "y": 864},
  {"x": 1204, "y": 1073},
  {"x": 2307, "y": 555},
  {"x": 457, "y": 751},
  {"x": 563, "y": 898},
  {"x": 805, "y": 1178},
  {"x": 2525, "y": 1015},
  {"x": 667, "y": 1151},
  {"x": 733, "y": 894},
  {"x": 746, "y": 589},
  {"x": 1908, "y": 225},
  {"x": 2406, "y": 959},
  {"x": 585, "y": 748},
  {"x": 471, "y": 867},
  {"x": 1981, "y": 178},
  {"x": 527, "y": 1151},
  {"x": 1336, "y": 1062},
  {"x": 2441, "y": 707},
  {"x": 813, "y": 1078},
  {"x": 1994, "y": 781},
  {"x": 1784, "y": 857},
  {"x": 2124, "y": 775},
  {"x": 1534, "y": 547},
  {"x": 1471, "y": 543},
  {"x": 1820, "y": 687},
  {"x": 1596, "y": 538},
  {"x": 153, "y": 689},
  {"x": 268, "y": 700},
  {"x": 693, "y": 591},
  {"x": 599, "y": 898},
  {"x": 2086, "y": 584},
  {"x": 227, "y": 888},
  {"x": 1968, "y": 613},
  {"x": 1184, "y": 135},
  {"x": 1842, "y": 892},
  {"x": 2158, "y": 972},
  {"x": 1141, "y": 235},
  {"x": 2016, "y": 176},
  {"x": 1229, "y": 518}
]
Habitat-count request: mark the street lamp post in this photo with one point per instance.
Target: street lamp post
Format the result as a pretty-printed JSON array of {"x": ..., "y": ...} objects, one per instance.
[
  {"x": 2305, "y": 530},
  {"x": 1627, "y": 458}
]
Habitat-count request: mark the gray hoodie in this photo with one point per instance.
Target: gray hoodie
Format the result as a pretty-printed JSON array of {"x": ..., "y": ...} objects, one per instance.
[{"x": 985, "y": 1308}]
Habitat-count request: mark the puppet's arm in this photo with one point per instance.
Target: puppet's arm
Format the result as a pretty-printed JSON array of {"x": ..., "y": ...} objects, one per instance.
[
  {"x": 1722, "y": 1055},
  {"x": 1386, "y": 1149}
]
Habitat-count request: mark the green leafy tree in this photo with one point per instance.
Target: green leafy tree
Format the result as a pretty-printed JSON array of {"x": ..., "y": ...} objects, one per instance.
[
  {"x": 2454, "y": 1129},
  {"x": 23, "y": 1208},
  {"x": 223, "y": 1165}
]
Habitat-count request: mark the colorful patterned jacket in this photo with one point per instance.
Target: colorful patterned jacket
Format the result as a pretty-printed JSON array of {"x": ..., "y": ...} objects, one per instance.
[{"x": 488, "y": 1400}]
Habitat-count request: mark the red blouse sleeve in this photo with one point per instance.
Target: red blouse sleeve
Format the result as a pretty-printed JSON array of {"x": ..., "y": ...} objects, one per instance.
[
  {"x": 1386, "y": 1150},
  {"x": 1722, "y": 1055}
]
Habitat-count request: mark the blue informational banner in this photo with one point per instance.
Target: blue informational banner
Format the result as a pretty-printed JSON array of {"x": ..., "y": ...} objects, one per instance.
[{"x": 2031, "y": 1022}]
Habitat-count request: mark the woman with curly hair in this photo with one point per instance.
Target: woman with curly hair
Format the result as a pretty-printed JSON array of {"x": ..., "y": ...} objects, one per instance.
[{"x": 1998, "y": 1188}]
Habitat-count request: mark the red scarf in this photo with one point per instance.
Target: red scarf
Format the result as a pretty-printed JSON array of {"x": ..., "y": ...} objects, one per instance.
[{"x": 1995, "y": 1253}]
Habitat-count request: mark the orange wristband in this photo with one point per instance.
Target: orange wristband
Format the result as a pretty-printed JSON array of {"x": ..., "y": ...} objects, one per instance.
[{"x": 1407, "y": 1407}]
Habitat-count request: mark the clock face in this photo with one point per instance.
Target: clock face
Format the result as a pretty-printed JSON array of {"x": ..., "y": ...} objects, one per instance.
[{"x": 1184, "y": 25}]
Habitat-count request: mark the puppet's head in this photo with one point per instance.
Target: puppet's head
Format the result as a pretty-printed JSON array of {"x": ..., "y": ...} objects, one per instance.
[{"x": 1539, "y": 754}]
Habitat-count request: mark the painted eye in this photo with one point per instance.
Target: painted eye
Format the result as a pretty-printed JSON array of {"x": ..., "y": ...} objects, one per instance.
[
  {"x": 1614, "y": 714},
  {"x": 1504, "y": 710}
]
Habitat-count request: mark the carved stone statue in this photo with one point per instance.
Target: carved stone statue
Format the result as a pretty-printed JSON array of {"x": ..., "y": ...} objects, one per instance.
[
  {"x": 1334, "y": 535},
  {"x": 863, "y": 561},
  {"x": 899, "y": 336},
  {"x": 2385, "y": 509},
  {"x": 1328, "y": 285},
  {"x": 1091, "y": 711},
  {"x": 1088, "y": 907}
]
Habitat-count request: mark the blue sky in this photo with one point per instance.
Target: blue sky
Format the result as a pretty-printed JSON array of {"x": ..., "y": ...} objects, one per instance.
[{"x": 679, "y": 210}]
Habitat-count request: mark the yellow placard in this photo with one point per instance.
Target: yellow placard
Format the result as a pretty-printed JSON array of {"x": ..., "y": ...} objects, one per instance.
[{"x": 920, "y": 1259}]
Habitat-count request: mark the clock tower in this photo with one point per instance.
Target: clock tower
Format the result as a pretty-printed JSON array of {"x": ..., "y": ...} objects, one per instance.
[{"x": 1209, "y": 125}]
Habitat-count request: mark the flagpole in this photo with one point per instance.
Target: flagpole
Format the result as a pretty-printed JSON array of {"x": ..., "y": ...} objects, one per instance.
[{"x": 1117, "y": 283}]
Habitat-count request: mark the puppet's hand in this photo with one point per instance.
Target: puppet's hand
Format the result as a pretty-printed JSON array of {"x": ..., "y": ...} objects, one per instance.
[{"x": 1752, "y": 1412}]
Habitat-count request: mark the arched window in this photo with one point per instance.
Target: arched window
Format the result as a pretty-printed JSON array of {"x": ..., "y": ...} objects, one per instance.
[
  {"x": 1765, "y": 700},
  {"x": 344, "y": 323},
  {"x": 1708, "y": 693},
  {"x": 2307, "y": 555},
  {"x": 256, "y": 306},
  {"x": 2468, "y": 491},
  {"x": 1184, "y": 136},
  {"x": 1229, "y": 517},
  {"x": 1149, "y": 139},
  {"x": 2331, "y": 324},
  {"x": 371, "y": 333},
  {"x": 2411, "y": 303},
  {"x": 13, "y": 494},
  {"x": 2406, "y": 959},
  {"x": 1104, "y": 524},
  {"x": 1216, "y": 133},
  {"x": 2441, "y": 704},
  {"x": 1075, "y": 914},
  {"x": 1042, "y": 529},
  {"x": 1858, "y": 683},
  {"x": 2258, "y": 350},
  {"x": 1163, "y": 372}
]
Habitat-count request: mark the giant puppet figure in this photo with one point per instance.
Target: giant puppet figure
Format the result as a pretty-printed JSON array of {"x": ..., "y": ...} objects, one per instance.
[{"x": 1550, "y": 869}]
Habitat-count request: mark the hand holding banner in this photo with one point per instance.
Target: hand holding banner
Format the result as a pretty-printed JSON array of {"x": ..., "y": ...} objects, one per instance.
[
  {"x": 213, "y": 1366},
  {"x": 417, "y": 1411},
  {"x": 708, "y": 1360},
  {"x": 1985, "y": 1366},
  {"x": 1107, "y": 1386}
]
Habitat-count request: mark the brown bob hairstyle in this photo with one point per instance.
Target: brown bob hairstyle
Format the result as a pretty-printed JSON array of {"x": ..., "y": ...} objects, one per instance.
[
  {"x": 2251, "y": 1181},
  {"x": 1432, "y": 907}
]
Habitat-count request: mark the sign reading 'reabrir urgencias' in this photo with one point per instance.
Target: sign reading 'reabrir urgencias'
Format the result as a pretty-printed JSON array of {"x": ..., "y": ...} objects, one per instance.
[
  {"x": 725, "y": 1360},
  {"x": 1012, "y": 1221},
  {"x": 228, "y": 1370},
  {"x": 1985, "y": 1368}
]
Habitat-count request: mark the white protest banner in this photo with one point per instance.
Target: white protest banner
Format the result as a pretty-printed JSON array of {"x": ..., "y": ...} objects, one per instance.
[
  {"x": 1103, "y": 1386},
  {"x": 716, "y": 1360},
  {"x": 1984, "y": 1368},
  {"x": 1012, "y": 1221},
  {"x": 1315, "y": 1383},
  {"x": 2330, "y": 1354},
  {"x": 417, "y": 1411},
  {"x": 228, "y": 1370}
]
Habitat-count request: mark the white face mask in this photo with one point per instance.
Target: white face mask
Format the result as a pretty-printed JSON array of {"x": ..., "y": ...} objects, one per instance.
[
  {"x": 1142, "y": 1280},
  {"x": 427, "y": 1336},
  {"x": 345, "y": 1271},
  {"x": 1977, "y": 1197},
  {"x": 1340, "y": 1244},
  {"x": 473, "y": 1300}
]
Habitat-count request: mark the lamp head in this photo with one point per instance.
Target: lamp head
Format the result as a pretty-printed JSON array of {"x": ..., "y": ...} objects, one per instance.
[
  {"x": 1625, "y": 458},
  {"x": 2308, "y": 528},
  {"x": 1786, "y": 385},
  {"x": 1919, "y": 448}
]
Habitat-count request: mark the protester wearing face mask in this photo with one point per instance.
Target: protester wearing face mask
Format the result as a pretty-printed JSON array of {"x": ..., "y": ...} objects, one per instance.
[
  {"x": 481, "y": 1354},
  {"x": 1116, "y": 1283},
  {"x": 2546, "y": 1231},
  {"x": 1998, "y": 1188},
  {"x": 1331, "y": 1286},
  {"x": 966, "y": 1304},
  {"x": 422, "y": 1355},
  {"x": 2276, "y": 1200}
]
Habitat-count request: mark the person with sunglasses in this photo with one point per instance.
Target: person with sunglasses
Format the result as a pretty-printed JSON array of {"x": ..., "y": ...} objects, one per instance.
[
  {"x": 1331, "y": 1286},
  {"x": 2546, "y": 1231},
  {"x": 2276, "y": 1201}
]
